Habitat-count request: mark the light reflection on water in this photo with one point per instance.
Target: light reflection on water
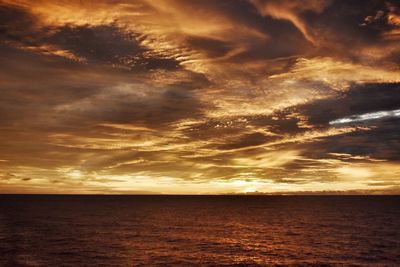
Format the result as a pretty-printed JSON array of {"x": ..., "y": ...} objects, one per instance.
[{"x": 196, "y": 230}]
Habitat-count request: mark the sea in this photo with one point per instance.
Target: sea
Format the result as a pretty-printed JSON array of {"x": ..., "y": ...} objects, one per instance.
[{"x": 229, "y": 230}]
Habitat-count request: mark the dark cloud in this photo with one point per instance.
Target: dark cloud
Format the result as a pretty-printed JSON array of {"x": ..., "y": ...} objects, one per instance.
[
  {"x": 105, "y": 43},
  {"x": 359, "y": 99},
  {"x": 354, "y": 29},
  {"x": 17, "y": 24},
  {"x": 108, "y": 44},
  {"x": 381, "y": 142}
]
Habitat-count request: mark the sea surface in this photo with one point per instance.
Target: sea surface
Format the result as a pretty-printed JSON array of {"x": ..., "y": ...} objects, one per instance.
[{"x": 199, "y": 230}]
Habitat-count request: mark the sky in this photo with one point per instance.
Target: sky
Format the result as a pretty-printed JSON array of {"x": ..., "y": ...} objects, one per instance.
[{"x": 199, "y": 97}]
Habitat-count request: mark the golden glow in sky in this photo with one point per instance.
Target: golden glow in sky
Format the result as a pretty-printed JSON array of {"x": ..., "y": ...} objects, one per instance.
[{"x": 199, "y": 97}]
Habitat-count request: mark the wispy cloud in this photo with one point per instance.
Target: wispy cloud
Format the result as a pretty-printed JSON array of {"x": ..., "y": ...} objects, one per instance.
[{"x": 367, "y": 117}]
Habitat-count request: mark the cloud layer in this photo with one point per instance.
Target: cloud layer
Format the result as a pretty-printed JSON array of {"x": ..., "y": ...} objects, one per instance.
[{"x": 199, "y": 96}]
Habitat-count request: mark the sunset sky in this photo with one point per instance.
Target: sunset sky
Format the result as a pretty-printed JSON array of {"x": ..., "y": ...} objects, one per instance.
[{"x": 199, "y": 97}]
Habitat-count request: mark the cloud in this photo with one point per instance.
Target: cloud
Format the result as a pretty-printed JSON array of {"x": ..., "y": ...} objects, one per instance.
[
  {"x": 337, "y": 75},
  {"x": 367, "y": 116},
  {"x": 291, "y": 11},
  {"x": 198, "y": 97}
]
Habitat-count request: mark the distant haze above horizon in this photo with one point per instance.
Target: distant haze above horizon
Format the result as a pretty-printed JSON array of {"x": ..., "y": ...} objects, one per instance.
[{"x": 199, "y": 97}]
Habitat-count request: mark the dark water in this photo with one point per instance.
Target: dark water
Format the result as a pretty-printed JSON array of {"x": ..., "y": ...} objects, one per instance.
[{"x": 199, "y": 230}]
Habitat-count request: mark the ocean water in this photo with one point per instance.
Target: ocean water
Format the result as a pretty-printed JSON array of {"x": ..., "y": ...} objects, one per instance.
[{"x": 199, "y": 230}]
